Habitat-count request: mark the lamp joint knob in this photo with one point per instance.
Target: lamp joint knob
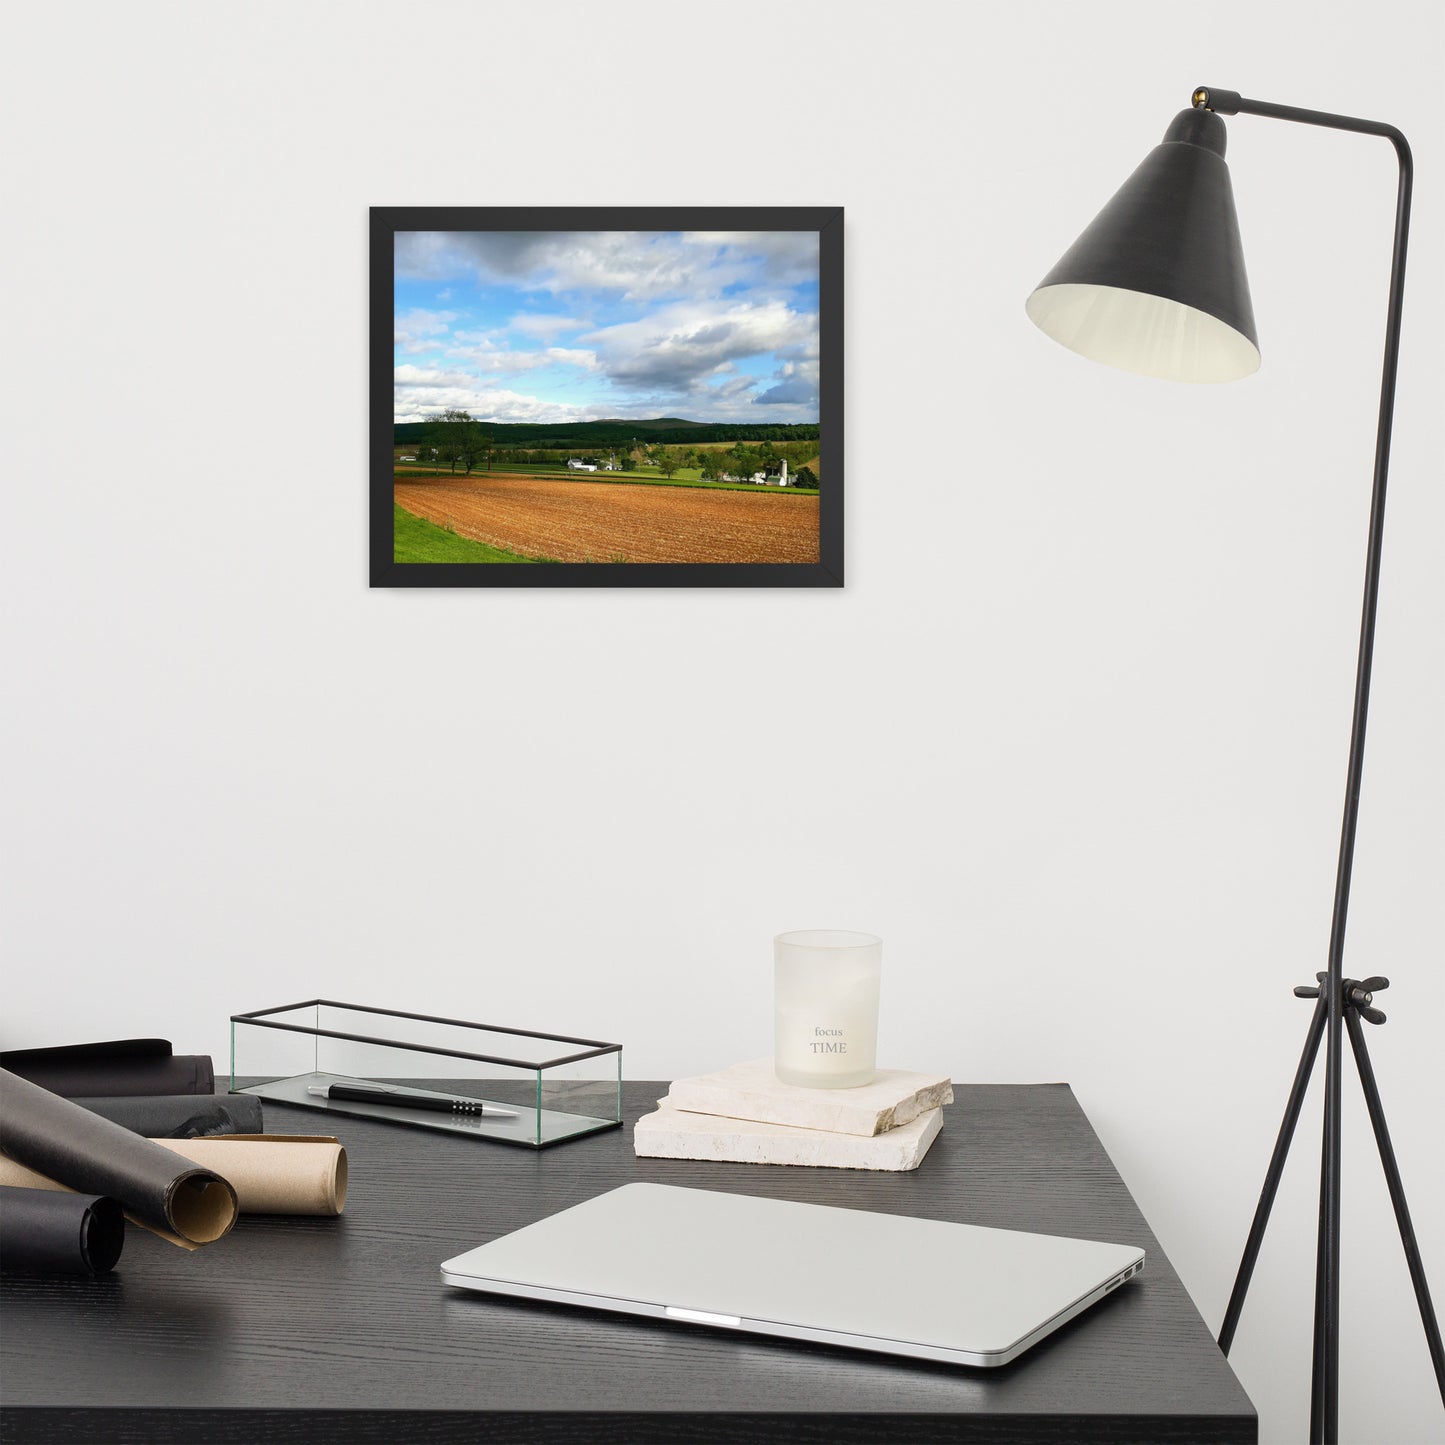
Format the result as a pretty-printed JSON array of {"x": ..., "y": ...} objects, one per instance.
[{"x": 1221, "y": 102}]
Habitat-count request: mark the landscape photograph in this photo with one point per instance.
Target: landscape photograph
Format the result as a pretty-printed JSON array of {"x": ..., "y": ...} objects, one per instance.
[{"x": 566, "y": 399}]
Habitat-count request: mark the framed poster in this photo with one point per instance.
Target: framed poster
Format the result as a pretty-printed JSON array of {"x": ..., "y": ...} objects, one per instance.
[{"x": 599, "y": 397}]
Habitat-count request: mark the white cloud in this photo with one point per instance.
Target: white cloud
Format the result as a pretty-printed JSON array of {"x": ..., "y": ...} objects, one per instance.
[
  {"x": 572, "y": 356},
  {"x": 416, "y": 325},
  {"x": 787, "y": 258},
  {"x": 488, "y": 357},
  {"x": 492, "y": 404},
  {"x": 795, "y": 384},
  {"x": 420, "y": 330},
  {"x": 543, "y": 328},
  {"x": 678, "y": 345},
  {"x": 416, "y": 376},
  {"x": 734, "y": 386},
  {"x": 638, "y": 265}
]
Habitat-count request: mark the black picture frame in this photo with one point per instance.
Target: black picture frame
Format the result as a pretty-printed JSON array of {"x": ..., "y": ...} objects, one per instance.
[{"x": 827, "y": 221}]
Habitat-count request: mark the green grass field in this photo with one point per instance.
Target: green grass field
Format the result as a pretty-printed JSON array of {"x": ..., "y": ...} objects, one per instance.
[{"x": 416, "y": 540}]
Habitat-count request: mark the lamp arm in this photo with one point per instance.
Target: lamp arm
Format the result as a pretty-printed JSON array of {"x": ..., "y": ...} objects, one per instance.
[
  {"x": 1231, "y": 102},
  {"x": 1325, "y": 1419}
]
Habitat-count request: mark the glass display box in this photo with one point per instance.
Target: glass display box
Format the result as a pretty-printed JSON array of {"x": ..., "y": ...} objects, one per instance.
[{"x": 510, "y": 1086}]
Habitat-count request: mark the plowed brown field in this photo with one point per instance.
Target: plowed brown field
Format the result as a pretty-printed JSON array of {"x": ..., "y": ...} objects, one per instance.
[{"x": 608, "y": 521}]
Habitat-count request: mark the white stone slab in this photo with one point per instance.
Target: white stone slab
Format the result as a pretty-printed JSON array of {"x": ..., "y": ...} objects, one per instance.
[
  {"x": 752, "y": 1091},
  {"x": 673, "y": 1133}
]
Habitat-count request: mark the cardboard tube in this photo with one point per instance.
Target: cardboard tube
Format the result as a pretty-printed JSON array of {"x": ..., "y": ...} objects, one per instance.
[
  {"x": 78, "y": 1150},
  {"x": 274, "y": 1173},
  {"x": 271, "y": 1173}
]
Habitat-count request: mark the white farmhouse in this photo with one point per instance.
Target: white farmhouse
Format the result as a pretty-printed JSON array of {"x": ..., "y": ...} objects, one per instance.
[
  {"x": 576, "y": 464},
  {"x": 760, "y": 479}
]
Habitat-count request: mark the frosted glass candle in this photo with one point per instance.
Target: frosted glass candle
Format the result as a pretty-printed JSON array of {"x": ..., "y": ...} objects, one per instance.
[{"x": 825, "y": 995}]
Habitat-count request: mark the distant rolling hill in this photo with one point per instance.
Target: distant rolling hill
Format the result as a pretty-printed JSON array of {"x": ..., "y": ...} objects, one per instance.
[
  {"x": 658, "y": 423},
  {"x": 614, "y": 430}
]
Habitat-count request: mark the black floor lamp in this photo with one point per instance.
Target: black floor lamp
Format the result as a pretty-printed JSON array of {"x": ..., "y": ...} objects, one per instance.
[{"x": 1157, "y": 285}]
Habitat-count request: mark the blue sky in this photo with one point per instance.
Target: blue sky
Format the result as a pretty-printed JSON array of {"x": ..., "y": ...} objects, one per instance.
[{"x": 558, "y": 326}]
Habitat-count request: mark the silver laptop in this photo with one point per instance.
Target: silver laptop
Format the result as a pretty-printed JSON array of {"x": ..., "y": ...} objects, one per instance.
[{"x": 919, "y": 1287}]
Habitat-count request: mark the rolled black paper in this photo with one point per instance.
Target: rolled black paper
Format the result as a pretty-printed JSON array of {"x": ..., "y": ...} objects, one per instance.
[
  {"x": 117, "y": 1067},
  {"x": 45, "y": 1232},
  {"x": 181, "y": 1116},
  {"x": 91, "y": 1155}
]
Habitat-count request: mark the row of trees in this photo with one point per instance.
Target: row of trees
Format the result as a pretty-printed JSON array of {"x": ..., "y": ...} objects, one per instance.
[
  {"x": 740, "y": 460},
  {"x": 602, "y": 436}
]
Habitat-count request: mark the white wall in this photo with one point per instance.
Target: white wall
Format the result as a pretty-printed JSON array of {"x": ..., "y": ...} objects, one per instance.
[{"x": 1072, "y": 739}]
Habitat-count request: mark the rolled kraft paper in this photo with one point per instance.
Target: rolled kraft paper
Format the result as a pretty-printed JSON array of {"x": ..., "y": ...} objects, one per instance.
[
  {"x": 173, "y": 1196},
  {"x": 42, "y": 1232},
  {"x": 275, "y": 1173},
  {"x": 118, "y": 1066},
  {"x": 271, "y": 1173},
  {"x": 181, "y": 1116}
]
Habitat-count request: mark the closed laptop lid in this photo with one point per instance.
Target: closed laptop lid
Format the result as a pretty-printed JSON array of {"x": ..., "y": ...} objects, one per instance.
[{"x": 806, "y": 1269}]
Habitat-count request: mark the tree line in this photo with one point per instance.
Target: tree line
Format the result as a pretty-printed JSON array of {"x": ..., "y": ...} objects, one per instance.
[
  {"x": 604, "y": 434},
  {"x": 739, "y": 460},
  {"x": 742, "y": 459}
]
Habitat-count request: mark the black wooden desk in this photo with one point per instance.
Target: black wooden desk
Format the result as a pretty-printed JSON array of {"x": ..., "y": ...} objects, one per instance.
[{"x": 339, "y": 1329}]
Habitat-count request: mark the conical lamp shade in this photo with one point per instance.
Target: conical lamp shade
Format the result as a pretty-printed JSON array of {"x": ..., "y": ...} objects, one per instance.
[{"x": 1156, "y": 285}]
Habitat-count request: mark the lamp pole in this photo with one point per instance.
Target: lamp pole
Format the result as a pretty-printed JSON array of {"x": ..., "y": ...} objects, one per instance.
[
  {"x": 1156, "y": 285},
  {"x": 1324, "y": 1418}
]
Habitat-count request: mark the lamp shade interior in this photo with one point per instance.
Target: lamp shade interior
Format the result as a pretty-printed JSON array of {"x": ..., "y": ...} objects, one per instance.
[{"x": 1149, "y": 335}]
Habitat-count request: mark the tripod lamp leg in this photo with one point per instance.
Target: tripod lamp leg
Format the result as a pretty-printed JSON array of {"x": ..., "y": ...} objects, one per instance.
[
  {"x": 1397, "y": 1196},
  {"x": 1272, "y": 1176}
]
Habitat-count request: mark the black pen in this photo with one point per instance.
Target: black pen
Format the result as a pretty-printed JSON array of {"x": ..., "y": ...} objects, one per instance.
[{"x": 408, "y": 1099}]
